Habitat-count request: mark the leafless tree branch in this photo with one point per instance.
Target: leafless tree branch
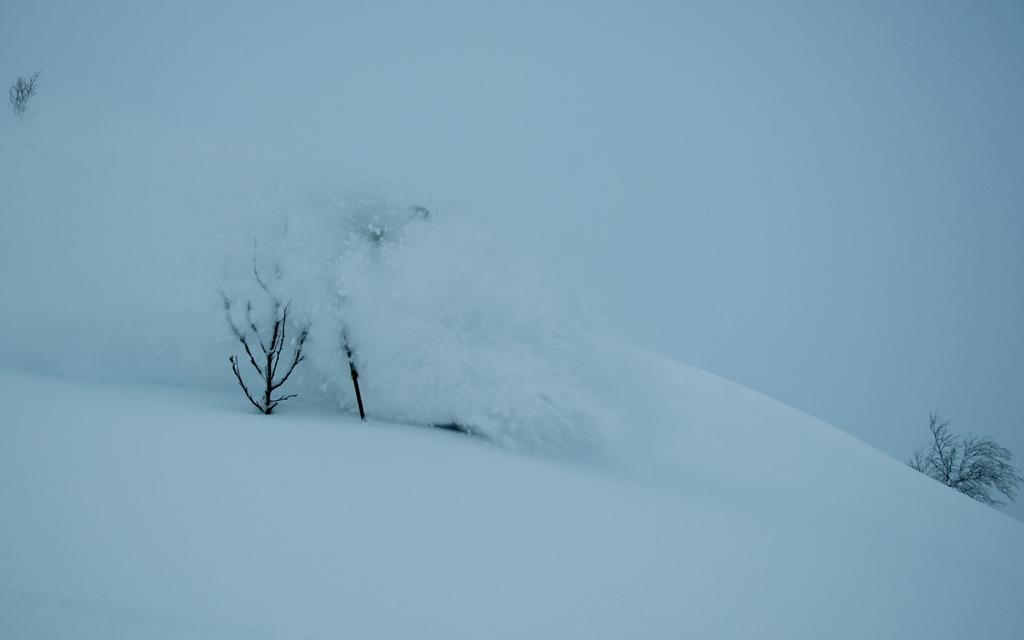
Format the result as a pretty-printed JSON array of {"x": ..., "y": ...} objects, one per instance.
[
  {"x": 272, "y": 352},
  {"x": 974, "y": 465},
  {"x": 241, "y": 382}
]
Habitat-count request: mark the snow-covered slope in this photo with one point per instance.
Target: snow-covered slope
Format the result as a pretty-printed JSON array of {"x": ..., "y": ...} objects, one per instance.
[
  {"x": 566, "y": 166},
  {"x": 148, "y": 512}
]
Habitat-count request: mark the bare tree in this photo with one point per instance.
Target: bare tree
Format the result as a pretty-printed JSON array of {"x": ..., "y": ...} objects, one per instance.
[
  {"x": 974, "y": 465},
  {"x": 267, "y": 361},
  {"x": 22, "y": 91}
]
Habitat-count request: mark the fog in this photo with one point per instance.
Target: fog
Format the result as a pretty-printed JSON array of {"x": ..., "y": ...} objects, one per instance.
[{"x": 819, "y": 202}]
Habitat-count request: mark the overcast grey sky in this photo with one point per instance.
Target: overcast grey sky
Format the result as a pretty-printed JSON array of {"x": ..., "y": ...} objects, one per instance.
[{"x": 822, "y": 201}]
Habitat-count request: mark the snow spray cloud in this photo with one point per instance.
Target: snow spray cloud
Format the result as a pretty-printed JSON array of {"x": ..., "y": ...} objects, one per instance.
[
  {"x": 121, "y": 234},
  {"x": 446, "y": 323}
]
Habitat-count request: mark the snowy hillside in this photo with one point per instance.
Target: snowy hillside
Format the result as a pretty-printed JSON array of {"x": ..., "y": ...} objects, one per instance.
[
  {"x": 500, "y": 214},
  {"x": 147, "y": 512}
]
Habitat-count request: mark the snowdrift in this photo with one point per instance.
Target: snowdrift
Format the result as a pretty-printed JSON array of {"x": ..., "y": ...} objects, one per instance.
[{"x": 149, "y": 512}]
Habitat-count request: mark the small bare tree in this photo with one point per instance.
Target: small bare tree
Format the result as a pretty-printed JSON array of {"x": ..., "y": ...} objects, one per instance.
[
  {"x": 267, "y": 362},
  {"x": 22, "y": 91},
  {"x": 975, "y": 465}
]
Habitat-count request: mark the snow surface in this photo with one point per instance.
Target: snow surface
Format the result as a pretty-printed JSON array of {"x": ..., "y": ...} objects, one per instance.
[
  {"x": 152, "y": 512},
  {"x": 615, "y": 493}
]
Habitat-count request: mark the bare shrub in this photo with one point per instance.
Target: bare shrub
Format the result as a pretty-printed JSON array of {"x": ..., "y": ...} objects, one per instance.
[
  {"x": 271, "y": 350},
  {"x": 974, "y": 465},
  {"x": 22, "y": 91}
]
